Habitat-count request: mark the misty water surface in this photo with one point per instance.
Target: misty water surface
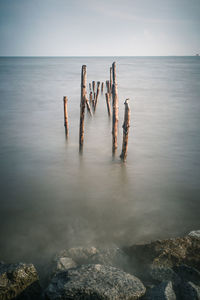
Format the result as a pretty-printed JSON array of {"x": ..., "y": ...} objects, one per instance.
[{"x": 53, "y": 198}]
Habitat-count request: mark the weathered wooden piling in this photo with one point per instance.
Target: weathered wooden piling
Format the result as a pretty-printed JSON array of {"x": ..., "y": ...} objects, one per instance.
[
  {"x": 90, "y": 87},
  {"x": 102, "y": 86},
  {"x": 66, "y": 116},
  {"x": 108, "y": 103},
  {"x": 108, "y": 86},
  {"x": 88, "y": 105},
  {"x": 115, "y": 108},
  {"x": 93, "y": 86},
  {"x": 110, "y": 81},
  {"x": 90, "y": 97},
  {"x": 97, "y": 94},
  {"x": 82, "y": 105},
  {"x": 125, "y": 127}
]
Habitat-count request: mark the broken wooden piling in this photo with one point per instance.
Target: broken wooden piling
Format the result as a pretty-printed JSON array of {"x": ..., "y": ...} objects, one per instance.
[
  {"x": 102, "y": 86},
  {"x": 115, "y": 108},
  {"x": 108, "y": 86},
  {"x": 97, "y": 94},
  {"x": 93, "y": 86},
  {"x": 125, "y": 127},
  {"x": 108, "y": 103},
  {"x": 66, "y": 116},
  {"x": 88, "y": 105},
  {"x": 82, "y": 105},
  {"x": 90, "y": 97}
]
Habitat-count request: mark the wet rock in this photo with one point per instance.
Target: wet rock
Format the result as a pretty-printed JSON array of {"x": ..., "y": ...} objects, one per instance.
[
  {"x": 163, "y": 291},
  {"x": 19, "y": 281},
  {"x": 94, "y": 282},
  {"x": 195, "y": 233},
  {"x": 165, "y": 253}
]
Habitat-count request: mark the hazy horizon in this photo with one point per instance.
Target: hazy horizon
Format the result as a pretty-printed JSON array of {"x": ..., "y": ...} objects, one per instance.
[{"x": 89, "y": 28}]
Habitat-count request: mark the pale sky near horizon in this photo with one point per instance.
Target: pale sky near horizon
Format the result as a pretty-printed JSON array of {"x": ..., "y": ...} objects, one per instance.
[{"x": 99, "y": 28}]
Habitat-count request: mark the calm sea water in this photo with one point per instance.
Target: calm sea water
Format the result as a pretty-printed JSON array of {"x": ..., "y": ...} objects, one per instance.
[{"x": 53, "y": 198}]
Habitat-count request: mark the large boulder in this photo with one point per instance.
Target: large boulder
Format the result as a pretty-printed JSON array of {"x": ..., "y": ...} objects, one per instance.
[
  {"x": 19, "y": 281},
  {"x": 94, "y": 282},
  {"x": 70, "y": 258}
]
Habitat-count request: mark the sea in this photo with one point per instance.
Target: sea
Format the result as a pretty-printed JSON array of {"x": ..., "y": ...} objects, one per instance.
[{"x": 53, "y": 197}]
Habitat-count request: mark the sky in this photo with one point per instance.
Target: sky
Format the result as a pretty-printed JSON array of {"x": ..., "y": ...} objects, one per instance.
[{"x": 99, "y": 28}]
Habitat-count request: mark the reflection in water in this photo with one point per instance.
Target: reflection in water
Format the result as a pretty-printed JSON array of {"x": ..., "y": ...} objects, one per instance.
[{"x": 52, "y": 197}]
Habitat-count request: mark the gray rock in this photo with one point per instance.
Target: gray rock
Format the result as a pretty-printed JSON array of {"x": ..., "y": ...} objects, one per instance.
[
  {"x": 163, "y": 291},
  {"x": 94, "y": 282},
  {"x": 189, "y": 291},
  {"x": 19, "y": 281},
  {"x": 70, "y": 258},
  {"x": 62, "y": 264},
  {"x": 195, "y": 233}
]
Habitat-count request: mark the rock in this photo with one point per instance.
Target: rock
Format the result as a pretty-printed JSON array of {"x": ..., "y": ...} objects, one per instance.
[
  {"x": 159, "y": 274},
  {"x": 62, "y": 264},
  {"x": 189, "y": 291},
  {"x": 187, "y": 273},
  {"x": 163, "y": 291},
  {"x": 195, "y": 233},
  {"x": 19, "y": 281},
  {"x": 165, "y": 253},
  {"x": 94, "y": 282},
  {"x": 70, "y": 258}
]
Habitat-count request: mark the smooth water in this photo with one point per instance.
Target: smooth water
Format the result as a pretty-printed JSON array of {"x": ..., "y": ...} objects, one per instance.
[{"x": 53, "y": 198}]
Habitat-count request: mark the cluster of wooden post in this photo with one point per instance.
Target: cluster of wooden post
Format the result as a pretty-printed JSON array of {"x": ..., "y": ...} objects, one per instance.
[{"x": 112, "y": 91}]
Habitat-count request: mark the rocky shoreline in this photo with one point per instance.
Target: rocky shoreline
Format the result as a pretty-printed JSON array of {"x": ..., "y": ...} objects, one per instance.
[{"x": 164, "y": 269}]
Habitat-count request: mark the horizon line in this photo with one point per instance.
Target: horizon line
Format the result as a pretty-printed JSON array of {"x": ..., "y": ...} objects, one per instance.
[{"x": 194, "y": 55}]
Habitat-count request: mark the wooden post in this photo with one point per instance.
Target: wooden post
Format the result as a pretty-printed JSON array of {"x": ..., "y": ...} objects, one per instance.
[
  {"x": 93, "y": 104},
  {"x": 110, "y": 81},
  {"x": 108, "y": 103},
  {"x": 102, "y": 86},
  {"x": 93, "y": 86},
  {"x": 115, "y": 109},
  {"x": 108, "y": 86},
  {"x": 90, "y": 97},
  {"x": 82, "y": 106},
  {"x": 88, "y": 106},
  {"x": 97, "y": 94},
  {"x": 66, "y": 116},
  {"x": 125, "y": 127},
  {"x": 90, "y": 87}
]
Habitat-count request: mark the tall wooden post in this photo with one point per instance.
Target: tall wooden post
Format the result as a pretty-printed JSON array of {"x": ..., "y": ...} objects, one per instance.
[
  {"x": 82, "y": 106},
  {"x": 110, "y": 81},
  {"x": 125, "y": 127},
  {"x": 66, "y": 116},
  {"x": 108, "y": 103},
  {"x": 115, "y": 109}
]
